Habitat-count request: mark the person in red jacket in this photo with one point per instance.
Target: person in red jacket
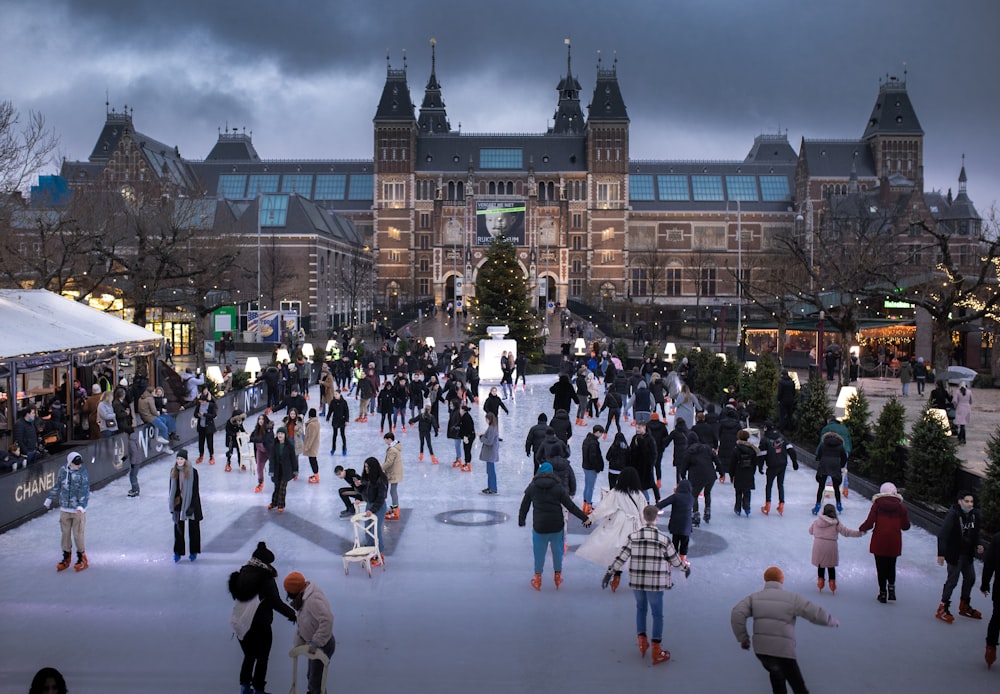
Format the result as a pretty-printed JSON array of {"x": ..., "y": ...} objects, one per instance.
[{"x": 887, "y": 520}]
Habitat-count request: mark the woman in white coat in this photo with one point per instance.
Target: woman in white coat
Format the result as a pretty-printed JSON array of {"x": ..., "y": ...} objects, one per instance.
[
  {"x": 963, "y": 409},
  {"x": 619, "y": 514}
]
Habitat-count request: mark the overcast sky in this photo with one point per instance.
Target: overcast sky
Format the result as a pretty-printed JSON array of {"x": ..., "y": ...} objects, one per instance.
[{"x": 700, "y": 79}]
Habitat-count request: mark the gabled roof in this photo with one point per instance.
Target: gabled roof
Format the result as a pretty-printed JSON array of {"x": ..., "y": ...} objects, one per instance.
[
  {"x": 893, "y": 113},
  {"x": 455, "y": 153},
  {"x": 835, "y": 158},
  {"x": 59, "y": 324},
  {"x": 771, "y": 148}
]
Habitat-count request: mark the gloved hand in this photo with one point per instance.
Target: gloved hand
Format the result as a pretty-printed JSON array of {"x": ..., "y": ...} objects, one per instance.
[
  {"x": 687, "y": 570},
  {"x": 587, "y": 522},
  {"x": 520, "y": 524},
  {"x": 745, "y": 645},
  {"x": 48, "y": 503},
  {"x": 606, "y": 580},
  {"x": 795, "y": 466}
]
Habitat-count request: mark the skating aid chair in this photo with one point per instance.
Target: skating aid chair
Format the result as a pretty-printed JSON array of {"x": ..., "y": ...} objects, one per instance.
[
  {"x": 364, "y": 528},
  {"x": 304, "y": 651}
]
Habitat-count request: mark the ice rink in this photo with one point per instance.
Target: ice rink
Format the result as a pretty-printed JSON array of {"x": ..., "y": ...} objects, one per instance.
[{"x": 453, "y": 610}]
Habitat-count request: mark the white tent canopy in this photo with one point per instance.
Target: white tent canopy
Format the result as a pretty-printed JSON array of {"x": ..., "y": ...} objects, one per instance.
[{"x": 40, "y": 322}]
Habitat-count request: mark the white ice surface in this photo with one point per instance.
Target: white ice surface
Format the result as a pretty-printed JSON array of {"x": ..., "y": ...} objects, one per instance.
[{"x": 453, "y": 611}]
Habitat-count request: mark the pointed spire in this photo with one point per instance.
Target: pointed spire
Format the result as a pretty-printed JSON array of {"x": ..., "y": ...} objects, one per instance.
[
  {"x": 433, "y": 117},
  {"x": 395, "y": 103},
  {"x": 852, "y": 186},
  {"x": 568, "y": 117},
  {"x": 962, "y": 179}
]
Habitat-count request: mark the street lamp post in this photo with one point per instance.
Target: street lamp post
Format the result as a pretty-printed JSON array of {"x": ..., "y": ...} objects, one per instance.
[
  {"x": 259, "y": 302},
  {"x": 739, "y": 279}
]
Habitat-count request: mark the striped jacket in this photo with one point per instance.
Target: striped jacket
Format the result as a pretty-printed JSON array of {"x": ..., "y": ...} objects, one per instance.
[{"x": 651, "y": 553}]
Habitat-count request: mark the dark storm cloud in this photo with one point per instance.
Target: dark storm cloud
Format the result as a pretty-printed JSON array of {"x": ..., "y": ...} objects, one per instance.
[{"x": 700, "y": 79}]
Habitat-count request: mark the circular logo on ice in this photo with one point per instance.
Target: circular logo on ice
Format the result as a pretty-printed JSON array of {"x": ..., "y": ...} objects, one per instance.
[{"x": 472, "y": 517}]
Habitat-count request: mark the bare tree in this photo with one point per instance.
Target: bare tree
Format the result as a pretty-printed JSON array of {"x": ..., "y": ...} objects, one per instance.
[
  {"x": 25, "y": 148},
  {"x": 963, "y": 287},
  {"x": 353, "y": 280}
]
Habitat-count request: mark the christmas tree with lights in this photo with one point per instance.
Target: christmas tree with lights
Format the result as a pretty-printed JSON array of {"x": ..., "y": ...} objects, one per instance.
[{"x": 502, "y": 298}]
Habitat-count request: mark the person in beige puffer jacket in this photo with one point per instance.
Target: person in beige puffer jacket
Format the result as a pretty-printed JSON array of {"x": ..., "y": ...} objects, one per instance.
[
  {"x": 392, "y": 466},
  {"x": 774, "y": 611}
]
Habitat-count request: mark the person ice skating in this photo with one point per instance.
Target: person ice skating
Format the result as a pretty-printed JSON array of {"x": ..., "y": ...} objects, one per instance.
[
  {"x": 494, "y": 404},
  {"x": 284, "y": 468},
  {"x": 774, "y": 611},
  {"x": 700, "y": 465},
  {"x": 617, "y": 457},
  {"x": 374, "y": 488},
  {"x": 205, "y": 412},
  {"x": 825, "y": 551},
  {"x": 349, "y": 493},
  {"x": 256, "y": 579},
  {"x": 619, "y": 514},
  {"x": 234, "y": 427},
  {"x": 392, "y": 466},
  {"x": 310, "y": 444},
  {"x": 313, "y": 625},
  {"x": 547, "y": 495},
  {"x": 742, "y": 470},
  {"x": 958, "y": 543},
  {"x": 489, "y": 452},
  {"x": 72, "y": 490},
  {"x": 338, "y": 414},
  {"x": 642, "y": 457},
  {"x": 48, "y": 680},
  {"x": 185, "y": 506},
  {"x": 467, "y": 431},
  {"x": 991, "y": 572},
  {"x": 777, "y": 451},
  {"x": 262, "y": 439},
  {"x": 831, "y": 459},
  {"x": 680, "y": 525},
  {"x": 887, "y": 519},
  {"x": 650, "y": 555},
  {"x": 593, "y": 464},
  {"x": 426, "y": 423}
]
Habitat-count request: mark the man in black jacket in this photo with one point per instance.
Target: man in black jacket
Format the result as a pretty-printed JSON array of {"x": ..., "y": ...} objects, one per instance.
[
  {"x": 256, "y": 580},
  {"x": 661, "y": 436},
  {"x": 551, "y": 446},
  {"x": 642, "y": 457},
  {"x": 561, "y": 425},
  {"x": 958, "y": 543},
  {"x": 699, "y": 466},
  {"x": 593, "y": 464},
  {"x": 536, "y": 435},
  {"x": 776, "y": 452}
]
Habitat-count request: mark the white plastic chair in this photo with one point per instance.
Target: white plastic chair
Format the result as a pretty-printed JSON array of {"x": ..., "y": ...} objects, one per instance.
[
  {"x": 304, "y": 651},
  {"x": 248, "y": 455},
  {"x": 364, "y": 528}
]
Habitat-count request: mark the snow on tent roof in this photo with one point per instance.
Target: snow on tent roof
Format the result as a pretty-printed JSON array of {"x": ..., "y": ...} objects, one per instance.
[{"x": 40, "y": 322}]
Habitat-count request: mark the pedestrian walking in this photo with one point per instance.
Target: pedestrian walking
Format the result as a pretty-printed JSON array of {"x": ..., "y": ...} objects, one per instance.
[
  {"x": 185, "y": 506},
  {"x": 958, "y": 544},
  {"x": 72, "y": 492},
  {"x": 255, "y": 583},
  {"x": 963, "y": 410},
  {"x": 546, "y": 493},
  {"x": 313, "y": 625},
  {"x": 650, "y": 555},
  {"x": 774, "y": 611},
  {"x": 826, "y": 530},
  {"x": 887, "y": 519}
]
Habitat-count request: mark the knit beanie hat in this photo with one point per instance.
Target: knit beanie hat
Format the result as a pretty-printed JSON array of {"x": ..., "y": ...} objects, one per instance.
[
  {"x": 294, "y": 583},
  {"x": 887, "y": 488},
  {"x": 182, "y": 453},
  {"x": 773, "y": 573},
  {"x": 545, "y": 467},
  {"x": 263, "y": 553}
]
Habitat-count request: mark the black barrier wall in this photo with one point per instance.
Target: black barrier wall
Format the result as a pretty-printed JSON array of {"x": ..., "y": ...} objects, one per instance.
[{"x": 22, "y": 493}]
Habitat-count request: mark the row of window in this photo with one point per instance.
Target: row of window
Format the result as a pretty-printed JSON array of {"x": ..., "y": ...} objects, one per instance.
[
  {"x": 707, "y": 188},
  {"x": 318, "y": 187}
]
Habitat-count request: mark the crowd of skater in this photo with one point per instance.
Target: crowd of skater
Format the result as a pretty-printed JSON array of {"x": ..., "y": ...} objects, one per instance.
[{"x": 653, "y": 411}]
